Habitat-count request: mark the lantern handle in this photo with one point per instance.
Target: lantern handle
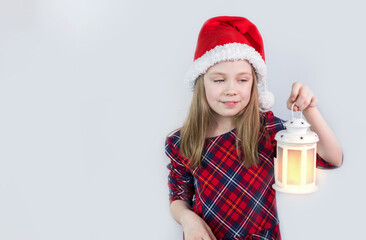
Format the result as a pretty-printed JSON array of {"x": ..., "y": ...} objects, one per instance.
[{"x": 292, "y": 111}]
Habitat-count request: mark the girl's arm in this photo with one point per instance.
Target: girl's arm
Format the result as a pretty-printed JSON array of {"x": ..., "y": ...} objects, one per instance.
[
  {"x": 305, "y": 101},
  {"x": 177, "y": 208},
  {"x": 328, "y": 146},
  {"x": 194, "y": 226}
]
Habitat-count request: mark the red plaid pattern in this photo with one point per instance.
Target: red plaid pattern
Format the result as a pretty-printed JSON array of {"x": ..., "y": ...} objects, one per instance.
[{"x": 237, "y": 203}]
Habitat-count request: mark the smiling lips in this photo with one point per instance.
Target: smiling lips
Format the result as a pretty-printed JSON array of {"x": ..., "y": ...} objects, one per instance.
[{"x": 230, "y": 103}]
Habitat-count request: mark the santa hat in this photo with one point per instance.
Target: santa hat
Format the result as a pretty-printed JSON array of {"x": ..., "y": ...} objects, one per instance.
[{"x": 231, "y": 38}]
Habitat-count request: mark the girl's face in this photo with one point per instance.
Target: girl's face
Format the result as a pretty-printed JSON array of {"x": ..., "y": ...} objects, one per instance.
[{"x": 228, "y": 88}]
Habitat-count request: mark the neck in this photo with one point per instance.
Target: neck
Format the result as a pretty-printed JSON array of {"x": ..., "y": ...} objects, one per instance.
[{"x": 220, "y": 126}]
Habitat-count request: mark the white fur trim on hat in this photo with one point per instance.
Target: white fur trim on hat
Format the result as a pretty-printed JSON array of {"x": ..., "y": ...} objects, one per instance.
[{"x": 233, "y": 51}]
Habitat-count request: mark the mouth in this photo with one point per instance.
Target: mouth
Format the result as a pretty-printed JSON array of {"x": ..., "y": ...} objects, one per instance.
[{"x": 230, "y": 103}]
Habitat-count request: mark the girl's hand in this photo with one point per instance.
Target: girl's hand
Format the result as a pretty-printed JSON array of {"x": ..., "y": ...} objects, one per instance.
[
  {"x": 195, "y": 228},
  {"x": 302, "y": 96}
]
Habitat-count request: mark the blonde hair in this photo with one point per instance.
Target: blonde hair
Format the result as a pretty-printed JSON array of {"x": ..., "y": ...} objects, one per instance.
[{"x": 247, "y": 123}]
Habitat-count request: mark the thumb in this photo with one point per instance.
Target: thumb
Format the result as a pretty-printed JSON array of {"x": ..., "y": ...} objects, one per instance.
[{"x": 289, "y": 105}]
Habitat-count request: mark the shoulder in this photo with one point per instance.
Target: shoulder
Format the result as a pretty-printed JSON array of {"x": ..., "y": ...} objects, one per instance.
[
  {"x": 272, "y": 123},
  {"x": 173, "y": 140}
]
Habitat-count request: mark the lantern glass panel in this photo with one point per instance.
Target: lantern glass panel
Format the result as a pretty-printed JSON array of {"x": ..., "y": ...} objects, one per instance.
[
  {"x": 279, "y": 164},
  {"x": 294, "y": 167},
  {"x": 310, "y": 166}
]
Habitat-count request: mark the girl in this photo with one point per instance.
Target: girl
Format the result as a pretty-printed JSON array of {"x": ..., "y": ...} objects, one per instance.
[{"x": 221, "y": 160}]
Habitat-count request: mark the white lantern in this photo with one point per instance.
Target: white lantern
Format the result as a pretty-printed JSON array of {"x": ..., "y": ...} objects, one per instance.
[{"x": 295, "y": 164}]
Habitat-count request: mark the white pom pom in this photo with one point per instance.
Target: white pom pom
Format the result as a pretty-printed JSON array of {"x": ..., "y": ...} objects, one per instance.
[{"x": 266, "y": 100}]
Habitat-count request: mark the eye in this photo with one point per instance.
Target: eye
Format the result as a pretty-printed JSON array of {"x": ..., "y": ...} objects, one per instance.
[
  {"x": 218, "y": 80},
  {"x": 243, "y": 80}
]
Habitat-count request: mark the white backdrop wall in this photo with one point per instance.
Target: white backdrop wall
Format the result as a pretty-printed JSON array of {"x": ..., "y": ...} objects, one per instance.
[{"x": 90, "y": 89}]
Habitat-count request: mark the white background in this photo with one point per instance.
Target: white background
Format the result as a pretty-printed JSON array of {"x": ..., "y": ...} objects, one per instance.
[{"x": 90, "y": 89}]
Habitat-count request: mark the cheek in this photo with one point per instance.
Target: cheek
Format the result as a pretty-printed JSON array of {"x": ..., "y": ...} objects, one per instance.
[
  {"x": 247, "y": 92},
  {"x": 246, "y": 96},
  {"x": 212, "y": 95}
]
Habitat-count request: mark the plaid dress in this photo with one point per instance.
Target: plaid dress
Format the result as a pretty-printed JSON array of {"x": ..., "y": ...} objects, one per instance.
[{"x": 237, "y": 203}]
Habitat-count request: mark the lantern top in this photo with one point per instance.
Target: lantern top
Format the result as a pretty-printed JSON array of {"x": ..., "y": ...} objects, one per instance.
[
  {"x": 297, "y": 131},
  {"x": 287, "y": 136},
  {"x": 297, "y": 125}
]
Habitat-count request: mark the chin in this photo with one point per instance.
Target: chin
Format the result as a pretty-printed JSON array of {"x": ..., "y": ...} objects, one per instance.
[{"x": 229, "y": 114}]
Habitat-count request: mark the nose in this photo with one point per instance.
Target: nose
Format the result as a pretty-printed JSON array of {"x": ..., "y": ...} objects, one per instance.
[{"x": 230, "y": 88}]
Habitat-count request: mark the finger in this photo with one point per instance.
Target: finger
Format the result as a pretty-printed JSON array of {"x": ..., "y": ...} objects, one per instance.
[
  {"x": 210, "y": 233},
  {"x": 295, "y": 91},
  {"x": 302, "y": 102},
  {"x": 305, "y": 97},
  {"x": 205, "y": 237},
  {"x": 289, "y": 103},
  {"x": 314, "y": 102},
  {"x": 294, "y": 95},
  {"x": 212, "y": 236}
]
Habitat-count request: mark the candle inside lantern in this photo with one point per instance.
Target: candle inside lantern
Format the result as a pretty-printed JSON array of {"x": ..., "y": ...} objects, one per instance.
[{"x": 293, "y": 167}]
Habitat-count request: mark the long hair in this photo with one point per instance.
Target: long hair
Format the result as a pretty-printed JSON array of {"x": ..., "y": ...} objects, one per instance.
[
  {"x": 247, "y": 123},
  {"x": 193, "y": 131}
]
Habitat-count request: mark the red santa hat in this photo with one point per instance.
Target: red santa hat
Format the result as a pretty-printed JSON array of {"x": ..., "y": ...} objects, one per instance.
[{"x": 228, "y": 38}]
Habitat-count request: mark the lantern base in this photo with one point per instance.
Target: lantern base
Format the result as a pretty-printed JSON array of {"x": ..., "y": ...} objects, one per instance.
[{"x": 295, "y": 189}]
